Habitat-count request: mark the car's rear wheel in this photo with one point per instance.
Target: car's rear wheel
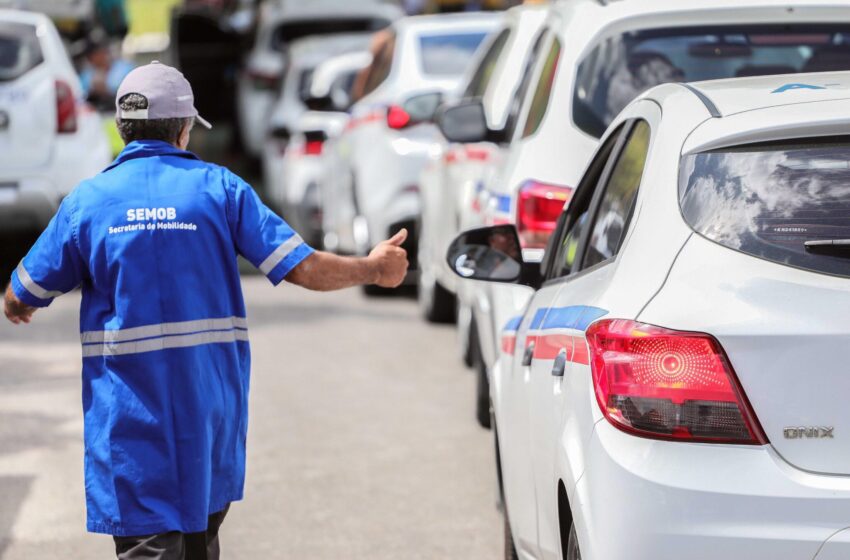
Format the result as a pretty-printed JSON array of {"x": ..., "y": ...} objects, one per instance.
[
  {"x": 482, "y": 392},
  {"x": 437, "y": 303},
  {"x": 510, "y": 548},
  {"x": 573, "y": 552}
]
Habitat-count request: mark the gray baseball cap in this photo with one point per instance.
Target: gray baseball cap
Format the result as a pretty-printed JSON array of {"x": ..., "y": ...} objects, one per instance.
[{"x": 168, "y": 92}]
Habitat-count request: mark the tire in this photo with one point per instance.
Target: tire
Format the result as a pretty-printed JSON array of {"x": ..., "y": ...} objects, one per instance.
[
  {"x": 471, "y": 349},
  {"x": 437, "y": 303},
  {"x": 510, "y": 548},
  {"x": 573, "y": 552},
  {"x": 482, "y": 393}
]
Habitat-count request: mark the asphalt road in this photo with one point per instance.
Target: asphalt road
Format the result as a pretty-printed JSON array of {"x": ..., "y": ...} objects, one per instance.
[{"x": 362, "y": 439}]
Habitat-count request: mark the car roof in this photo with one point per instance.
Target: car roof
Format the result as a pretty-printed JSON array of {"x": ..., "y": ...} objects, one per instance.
[
  {"x": 329, "y": 9},
  {"x": 316, "y": 48},
  {"x": 735, "y": 95},
  {"x": 21, "y": 16},
  {"x": 622, "y": 8},
  {"x": 447, "y": 22}
]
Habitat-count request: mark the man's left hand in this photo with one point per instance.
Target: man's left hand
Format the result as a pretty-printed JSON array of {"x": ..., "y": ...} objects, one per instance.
[{"x": 15, "y": 310}]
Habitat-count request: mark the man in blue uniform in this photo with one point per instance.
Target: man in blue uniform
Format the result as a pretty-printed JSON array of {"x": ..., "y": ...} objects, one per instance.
[{"x": 153, "y": 242}]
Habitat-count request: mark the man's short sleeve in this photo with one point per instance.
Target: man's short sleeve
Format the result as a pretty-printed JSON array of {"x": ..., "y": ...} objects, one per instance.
[
  {"x": 261, "y": 236},
  {"x": 54, "y": 265}
]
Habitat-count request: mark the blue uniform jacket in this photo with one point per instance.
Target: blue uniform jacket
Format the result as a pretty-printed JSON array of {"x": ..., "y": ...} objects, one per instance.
[{"x": 153, "y": 242}]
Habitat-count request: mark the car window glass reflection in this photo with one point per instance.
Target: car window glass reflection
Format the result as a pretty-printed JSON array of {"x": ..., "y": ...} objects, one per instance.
[{"x": 768, "y": 201}]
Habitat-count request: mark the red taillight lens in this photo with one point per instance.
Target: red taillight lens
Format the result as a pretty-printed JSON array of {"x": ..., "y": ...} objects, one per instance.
[
  {"x": 313, "y": 148},
  {"x": 538, "y": 209},
  {"x": 397, "y": 117},
  {"x": 66, "y": 108},
  {"x": 666, "y": 384}
]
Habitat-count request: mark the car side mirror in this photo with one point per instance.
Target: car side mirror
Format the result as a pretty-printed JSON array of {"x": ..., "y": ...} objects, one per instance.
[
  {"x": 463, "y": 122},
  {"x": 492, "y": 253},
  {"x": 423, "y": 107}
]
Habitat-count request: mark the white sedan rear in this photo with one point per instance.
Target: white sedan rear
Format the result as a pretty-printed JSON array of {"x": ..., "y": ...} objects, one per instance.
[{"x": 674, "y": 386}]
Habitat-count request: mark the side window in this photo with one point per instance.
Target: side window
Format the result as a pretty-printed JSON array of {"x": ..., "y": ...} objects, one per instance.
[
  {"x": 540, "y": 100},
  {"x": 478, "y": 83},
  {"x": 618, "y": 198},
  {"x": 522, "y": 88},
  {"x": 562, "y": 252}
]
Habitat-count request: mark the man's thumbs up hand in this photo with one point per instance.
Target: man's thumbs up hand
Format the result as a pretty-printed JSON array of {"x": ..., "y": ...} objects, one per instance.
[{"x": 390, "y": 260}]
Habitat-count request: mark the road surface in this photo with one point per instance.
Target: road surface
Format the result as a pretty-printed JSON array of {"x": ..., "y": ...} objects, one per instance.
[{"x": 362, "y": 441}]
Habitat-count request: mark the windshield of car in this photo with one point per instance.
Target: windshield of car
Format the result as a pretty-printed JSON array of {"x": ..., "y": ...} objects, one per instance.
[
  {"x": 20, "y": 50},
  {"x": 769, "y": 200},
  {"x": 622, "y": 67},
  {"x": 448, "y": 54}
]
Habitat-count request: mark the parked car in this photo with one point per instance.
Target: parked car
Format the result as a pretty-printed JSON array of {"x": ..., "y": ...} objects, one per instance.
[
  {"x": 374, "y": 187},
  {"x": 51, "y": 140},
  {"x": 258, "y": 84},
  {"x": 696, "y": 281},
  {"x": 616, "y": 51},
  {"x": 450, "y": 180},
  {"x": 297, "y": 165}
]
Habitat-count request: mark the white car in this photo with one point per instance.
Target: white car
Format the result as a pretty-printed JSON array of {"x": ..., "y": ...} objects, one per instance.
[
  {"x": 451, "y": 179},
  {"x": 295, "y": 179},
  {"x": 674, "y": 387},
  {"x": 281, "y": 23},
  {"x": 50, "y": 140},
  {"x": 596, "y": 57},
  {"x": 374, "y": 189}
]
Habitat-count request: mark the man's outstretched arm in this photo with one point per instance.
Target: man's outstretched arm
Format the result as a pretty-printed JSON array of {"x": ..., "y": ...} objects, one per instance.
[
  {"x": 385, "y": 266},
  {"x": 16, "y": 311}
]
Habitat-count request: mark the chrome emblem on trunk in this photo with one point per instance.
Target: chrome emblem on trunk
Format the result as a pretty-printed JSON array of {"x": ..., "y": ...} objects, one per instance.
[{"x": 808, "y": 432}]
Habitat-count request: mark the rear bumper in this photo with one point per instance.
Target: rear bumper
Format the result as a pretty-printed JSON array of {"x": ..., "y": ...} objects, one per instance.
[{"x": 647, "y": 499}]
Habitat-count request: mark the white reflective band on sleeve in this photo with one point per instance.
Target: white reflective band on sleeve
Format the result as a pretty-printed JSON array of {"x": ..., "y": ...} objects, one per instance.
[
  {"x": 163, "y": 329},
  {"x": 280, "y": 253},
  {"x": 33, "y": 288},
  {"x": 163, "y": 342}
]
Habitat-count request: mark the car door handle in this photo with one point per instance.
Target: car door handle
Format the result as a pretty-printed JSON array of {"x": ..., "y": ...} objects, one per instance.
[
  {"x": 560, "y": 364},
  {"x": 528, "y": 355}
]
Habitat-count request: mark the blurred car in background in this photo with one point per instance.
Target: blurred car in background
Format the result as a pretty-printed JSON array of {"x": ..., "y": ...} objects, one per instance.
[
  {"x": 49, "y": 139},
  {"x": 377, "y": 162},
  {"x": 616, "y": 51},
  {"x": 451, "y": 184},
  {"x": 293, "y": 157},
  {"x": 258, "y": 84}
]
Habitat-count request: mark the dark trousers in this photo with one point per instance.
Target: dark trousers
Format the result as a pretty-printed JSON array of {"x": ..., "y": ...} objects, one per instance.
[{"x": 174, "y": 545}]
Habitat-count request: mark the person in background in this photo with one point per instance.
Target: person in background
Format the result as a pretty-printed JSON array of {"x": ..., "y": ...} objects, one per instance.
[
  {"x": 103, "y": 72},
  {"x": 112, "y": 15}
]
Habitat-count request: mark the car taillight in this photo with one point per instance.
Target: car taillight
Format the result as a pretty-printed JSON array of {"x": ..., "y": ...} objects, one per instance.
[
  {"x": 397, "y": 117},
  {"x": 538, "y": 208},
  {"x": 66, "y": 108},
  {"x": 264, "y": 81},
  {"x": 313, "y": 148},
  {"x": 667, "y": 384}
]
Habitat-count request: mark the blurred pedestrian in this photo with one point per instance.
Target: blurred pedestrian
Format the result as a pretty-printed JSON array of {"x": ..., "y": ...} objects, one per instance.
[
  {"x": 153, "y": 241},
  {"x": 103, "y": 71}
]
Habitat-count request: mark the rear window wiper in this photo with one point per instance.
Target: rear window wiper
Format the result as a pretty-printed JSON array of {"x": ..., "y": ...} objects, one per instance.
[{"x": 831, "y": 247}]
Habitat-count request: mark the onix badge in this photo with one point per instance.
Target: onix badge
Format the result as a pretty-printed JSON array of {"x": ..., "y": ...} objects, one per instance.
[{"x": 808, "y": 432}]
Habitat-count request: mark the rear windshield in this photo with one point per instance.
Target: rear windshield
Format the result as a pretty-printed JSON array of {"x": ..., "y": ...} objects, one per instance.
[
  {"x": 769, "y": 200},
  {"x": 448, "y": 55},
  {"x": 20, "y": 50},
  {"x": 622, "y": 67},
  {"x": 290, "y": 31}
]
